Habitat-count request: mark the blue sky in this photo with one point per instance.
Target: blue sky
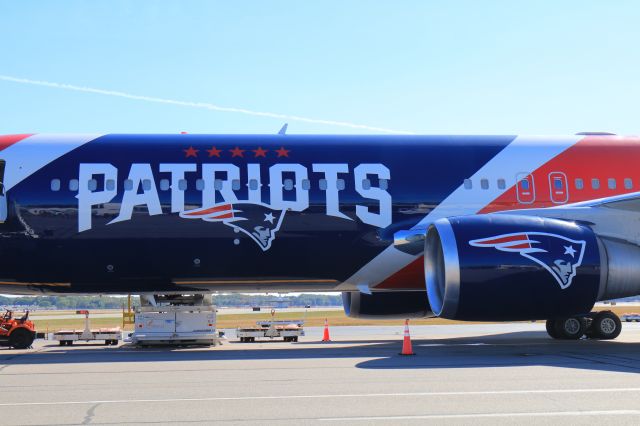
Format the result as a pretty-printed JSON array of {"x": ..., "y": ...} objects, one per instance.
[{"x": 418, "y": 66}]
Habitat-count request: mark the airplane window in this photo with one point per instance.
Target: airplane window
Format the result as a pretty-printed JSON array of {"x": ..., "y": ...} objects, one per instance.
[
  {"x": 501, "y": 184},
  {"x": 128, "y": 185},
  {"x": 595, "y": 183},
  {"x": 235, "y": 184},
  {"x": 628, "y": 183},
  {"x": 73, "y": 185},
  {"x": 383, "y": 184},
  {"x": 110, "y": 185},
  {"x": 525, "y": 184},
  {"x": 164, "y": 185},
  {"x": 182, "y": 185},
  {"x": 340, "y": 184},
  {"x": 288, "y": 184},
  {"x": 366, "y": 183},
  {"x": 146, "y": 184},
  {"x": 92, "y": 184},
  {"x": 199, "y": 184},
  {"x": 306, "y": 184},
  {"x": 579, "y": 183},
  {"x": 253, "y": 184},
  {"x": 323, "y": 184},
  {"x": 611, "y": 183},
  {"x": 55, "y": 184},
  {"x": 468, "y": 184},
  {"x": 484, "y": 183},
  {"x": 557, "y": 183}
]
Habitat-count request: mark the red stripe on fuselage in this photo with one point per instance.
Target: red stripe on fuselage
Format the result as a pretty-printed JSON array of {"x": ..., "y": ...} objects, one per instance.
[
  {"x": 601, "y": 157},
  {"x": 7, "y": 140}
]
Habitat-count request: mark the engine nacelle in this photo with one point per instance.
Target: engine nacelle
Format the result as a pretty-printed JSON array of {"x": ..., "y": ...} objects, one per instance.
[
  {"x": 499, "y": 267},
  {"x": 386, "y": 305}
]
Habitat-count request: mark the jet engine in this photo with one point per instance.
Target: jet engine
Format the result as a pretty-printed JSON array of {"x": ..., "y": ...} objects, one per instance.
[
  {"x": 500, "y": 267},
  {"x": 386, "y": 305}
]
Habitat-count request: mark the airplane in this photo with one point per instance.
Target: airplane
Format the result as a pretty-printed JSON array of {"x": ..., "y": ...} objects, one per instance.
[{"x": 478, "y": 228}]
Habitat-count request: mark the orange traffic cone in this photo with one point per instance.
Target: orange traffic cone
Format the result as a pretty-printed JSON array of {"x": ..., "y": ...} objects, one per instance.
[
  {"x": 325, "y": 336},
  {"x": 406, "y": 343}
]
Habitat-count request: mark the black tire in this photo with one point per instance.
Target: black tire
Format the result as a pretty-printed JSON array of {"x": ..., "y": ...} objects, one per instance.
[
  {"x": 570, "y": 328},
  {"x": 551, "y": 329},
  {"x": 21, "y": 338},
  {"x": 606, "y": 325}
]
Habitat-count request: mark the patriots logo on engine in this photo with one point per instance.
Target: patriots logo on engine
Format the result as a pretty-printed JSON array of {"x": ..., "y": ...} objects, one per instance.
[
  {"x": 559, "y": 255},
  {"x": 258, "y": 221}
]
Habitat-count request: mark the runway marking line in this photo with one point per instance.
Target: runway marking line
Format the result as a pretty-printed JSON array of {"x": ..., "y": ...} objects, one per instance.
[
  {"x": 353, "y": 395},
  {"x": 490, "y": 415}
]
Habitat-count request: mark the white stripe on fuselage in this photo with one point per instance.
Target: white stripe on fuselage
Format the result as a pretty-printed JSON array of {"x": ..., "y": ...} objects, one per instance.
[
  {"x": 524, "y": 154},
  {"x": 29, "y": 155}
]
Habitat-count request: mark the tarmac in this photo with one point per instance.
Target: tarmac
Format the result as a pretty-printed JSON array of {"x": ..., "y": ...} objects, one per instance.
[{"x": 461, "y": 374}]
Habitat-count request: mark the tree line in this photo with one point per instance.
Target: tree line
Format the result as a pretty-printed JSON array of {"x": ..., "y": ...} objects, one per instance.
[{"x": 115, "y": 302}]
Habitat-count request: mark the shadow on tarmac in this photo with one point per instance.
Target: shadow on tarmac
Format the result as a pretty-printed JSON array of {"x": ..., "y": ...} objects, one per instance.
[{"x": 530, "y": 348}]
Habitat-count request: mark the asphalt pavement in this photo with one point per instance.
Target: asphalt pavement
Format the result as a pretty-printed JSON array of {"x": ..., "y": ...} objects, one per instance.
[{"x": 461, "y": 374}]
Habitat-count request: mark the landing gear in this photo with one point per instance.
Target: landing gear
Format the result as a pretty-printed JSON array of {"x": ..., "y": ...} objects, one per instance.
[
  {"x": 571, "y": 328},
  {"x": 606, "y": 325},
  {"x": 597, "y": 325}
]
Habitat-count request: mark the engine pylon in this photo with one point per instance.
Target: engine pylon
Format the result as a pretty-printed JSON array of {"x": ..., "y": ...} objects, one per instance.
[
  {"x": 325, "y": 335},
  {"x": 406, "y": 343}
]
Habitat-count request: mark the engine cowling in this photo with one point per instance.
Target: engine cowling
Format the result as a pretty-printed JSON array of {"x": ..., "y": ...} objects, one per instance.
[
  {"x": 499, "y": 267},
  {"x": 386, "y": 305}
]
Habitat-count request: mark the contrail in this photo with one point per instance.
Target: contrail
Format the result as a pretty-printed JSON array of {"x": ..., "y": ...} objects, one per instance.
[{"x": 201, "y": 105}]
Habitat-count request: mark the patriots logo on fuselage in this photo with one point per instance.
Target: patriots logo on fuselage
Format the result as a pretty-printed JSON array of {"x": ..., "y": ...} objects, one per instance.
[
  {"x": 258, "y": 221},
  {"x": 559, "y": 255}
]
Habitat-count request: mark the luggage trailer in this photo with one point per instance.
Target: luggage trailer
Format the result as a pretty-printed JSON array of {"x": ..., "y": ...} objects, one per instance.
[
  {"x": 289, "y": 330},
  {"x": 111, "y": 336}
]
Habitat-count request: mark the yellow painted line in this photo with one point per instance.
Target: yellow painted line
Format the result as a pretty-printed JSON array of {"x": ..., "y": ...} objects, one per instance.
[
  {"x": 258, "y": 282},
  {"x": 40, "y": 284}
]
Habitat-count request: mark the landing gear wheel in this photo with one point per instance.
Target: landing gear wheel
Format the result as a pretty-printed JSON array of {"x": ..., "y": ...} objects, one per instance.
[
  {"x": 21, "y": 338},
  {"x": 551, "y": 328},
  {"x": 571, "y": 328},
  {"x": 606, "y": 325}
]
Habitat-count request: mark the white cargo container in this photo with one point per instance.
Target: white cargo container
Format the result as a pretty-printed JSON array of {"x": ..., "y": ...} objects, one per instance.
[{"x": 186, "y": 322}]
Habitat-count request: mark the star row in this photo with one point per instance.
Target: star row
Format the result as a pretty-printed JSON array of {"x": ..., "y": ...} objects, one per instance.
[{"x": 236, "y": 152}]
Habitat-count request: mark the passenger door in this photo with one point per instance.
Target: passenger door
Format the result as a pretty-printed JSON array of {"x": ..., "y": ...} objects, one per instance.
[{"x": 525, "y": 188}]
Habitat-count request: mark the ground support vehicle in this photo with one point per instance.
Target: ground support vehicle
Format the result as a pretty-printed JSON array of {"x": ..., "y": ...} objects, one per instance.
[
  {"x": 631, "y": 317},
  {"x": 17, "y": 333},
  {"x": 175, "y": 320},
  {"x": 289, "y": 330},
  {"x": 111, "y": 336}
]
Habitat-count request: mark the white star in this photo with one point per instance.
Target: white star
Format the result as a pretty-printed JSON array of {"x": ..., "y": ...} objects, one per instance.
[
  {"x": 268, "y": 217},
  {"x": 569, "y": 250}
]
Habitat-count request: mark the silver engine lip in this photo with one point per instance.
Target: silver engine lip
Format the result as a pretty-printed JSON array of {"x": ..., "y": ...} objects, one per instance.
[{"x": 442, "y": 269}]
